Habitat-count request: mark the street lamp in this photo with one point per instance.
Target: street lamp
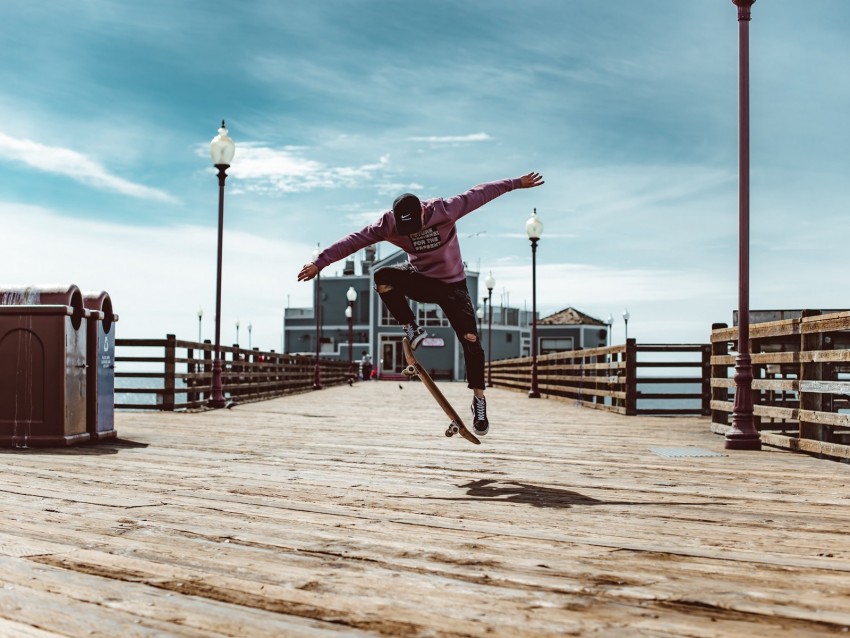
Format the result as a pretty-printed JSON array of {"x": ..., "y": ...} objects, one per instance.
[
  {"x": 609, "y": 322},
  {"x": 317, "y": 382},
  {"x": 237, "y": 332},
  {"x": 490, "y": 282},
  {"x": 250, "y": 343},
  {"x": 743, "y": 434},
  {"x": 480, "y": 314},
  {"x": 534, "y": 229},
  {"x": 222, "y": 150},
  {"x": 351, "y": 296},
  {"x": 626, "y": 316},
  {"x": 200, "y": 316}
]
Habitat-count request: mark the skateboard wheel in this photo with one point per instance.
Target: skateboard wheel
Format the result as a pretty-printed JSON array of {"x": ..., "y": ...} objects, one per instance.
[
  {"x": 409, "y": 371},
  {"x": 454, "y": 428},
  {"x": 449, "y": 432}
]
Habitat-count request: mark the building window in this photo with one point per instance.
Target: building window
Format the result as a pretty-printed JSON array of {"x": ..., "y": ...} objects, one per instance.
[
  {"x": 509, "y": 337},
  {"x": 430, "y": 314},
  {"x": 386, "y": 317},
  {"x": 555, "y": 344}
]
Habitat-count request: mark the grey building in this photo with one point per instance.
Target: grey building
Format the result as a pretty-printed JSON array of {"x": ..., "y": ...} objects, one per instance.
[
  {"x": 376, "y": 332},
  {"x": 570, "y": 329}
]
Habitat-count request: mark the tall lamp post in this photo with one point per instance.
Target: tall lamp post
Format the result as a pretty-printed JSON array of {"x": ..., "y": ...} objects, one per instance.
[
  {"x": 743, "y": 434},
  {"x": 534, "y": 228},
  {"x": 317, "y": 376},
  {"x": 200, "y": 316},
  {"x": 626, "y": 316},
  {"x": 609, "y": 322},
  {"x": 490, "y": 282},
  {"x": 237, "y": 332},
  {"x": 351, "y": 297},
  {"x": 222, "y": 150},
  {"x": 250, "y": 342}
]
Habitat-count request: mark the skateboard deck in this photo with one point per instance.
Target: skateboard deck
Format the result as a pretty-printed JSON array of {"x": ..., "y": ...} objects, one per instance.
[{"x": 415, "y": 368}]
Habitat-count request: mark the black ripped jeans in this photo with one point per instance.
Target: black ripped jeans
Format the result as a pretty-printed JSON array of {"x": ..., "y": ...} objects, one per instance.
[{"x": 405, "y": 283}]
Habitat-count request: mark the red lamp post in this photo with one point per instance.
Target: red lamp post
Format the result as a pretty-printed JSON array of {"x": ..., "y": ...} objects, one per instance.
[
  {"x": 490, "y": 282},
  {"x": 351, "y": 297},
  {"x": 534, "y": 228},
  {"x": 317, "y": 374},
  {"x": 743, "y": 434},
  {"x": 222, "y": 150}
]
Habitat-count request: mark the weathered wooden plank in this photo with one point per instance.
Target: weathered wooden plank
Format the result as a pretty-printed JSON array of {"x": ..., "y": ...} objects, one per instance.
[
  {"x": 826, "y": 323},
  {"x": 777, "y": 385},
  {"x": 12, "y": 629},
  {"x": 834, "y": 450},
  {"x": 766, "y": 330},
  {"x": 136, "y": 603},
  {"x": 825, "y": 356},
  {"x": 826, "y": 418},
  {"x": 825, "y": 387}
]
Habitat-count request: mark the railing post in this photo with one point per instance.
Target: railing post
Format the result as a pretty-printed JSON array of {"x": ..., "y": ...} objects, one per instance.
[
  {"x": 631, "y": 377},
  {"x": 168, "y": 378},
  {"x": 758, "y": 397},
  {"x": 705, "y": 373},
  {"x": 256, "y": 373},
  {"x": 191, "y": 381},
  {"x": 811, "y": 371},
  {"x": 207, "y": 369},
  {"x": 719, "y": 371}
]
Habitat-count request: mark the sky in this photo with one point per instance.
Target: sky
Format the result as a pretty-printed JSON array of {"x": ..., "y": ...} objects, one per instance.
[{"x": 628, "y": 109}]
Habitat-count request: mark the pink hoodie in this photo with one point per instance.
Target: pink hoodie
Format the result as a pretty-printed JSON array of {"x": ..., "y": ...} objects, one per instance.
[{"x": 434, "y": 251}]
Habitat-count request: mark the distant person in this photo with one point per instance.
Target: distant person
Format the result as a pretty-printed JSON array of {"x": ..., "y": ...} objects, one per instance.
[
  {"x": 366, "y": 362},
  {"x": 435, "y": 270}
]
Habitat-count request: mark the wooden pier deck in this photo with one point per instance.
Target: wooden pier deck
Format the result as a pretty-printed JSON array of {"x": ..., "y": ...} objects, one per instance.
[{"x": 347, "y": 512}]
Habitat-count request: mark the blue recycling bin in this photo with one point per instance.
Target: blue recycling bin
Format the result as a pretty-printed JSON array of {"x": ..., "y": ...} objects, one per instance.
[{"x": 100, "y": 371}]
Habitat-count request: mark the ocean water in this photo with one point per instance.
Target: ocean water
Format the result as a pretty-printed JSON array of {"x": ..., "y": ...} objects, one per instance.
[
  {"x": 643, "y": 404},
  {"x": 144, "y": 398},
  {"x": 669, "y": 388}
]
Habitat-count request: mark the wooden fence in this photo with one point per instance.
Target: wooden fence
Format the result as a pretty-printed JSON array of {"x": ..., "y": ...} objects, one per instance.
[
  {"x": 801, "y": 381},
  {"x": 169, "y": 374},
  {"x": 614, "y": 378}
]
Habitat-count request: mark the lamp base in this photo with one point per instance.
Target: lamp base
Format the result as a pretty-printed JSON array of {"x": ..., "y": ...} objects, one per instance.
[{"x": 217, "y": 399}]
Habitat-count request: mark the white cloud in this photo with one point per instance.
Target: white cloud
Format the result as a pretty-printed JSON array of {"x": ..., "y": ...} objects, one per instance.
[
  {"x": 70, "y": 163},
  {"x": 559, "y": 285},
  {"x": 453, "y": 139},
  {"x": 667, "y": 306},
  {"x": 264, "y": 169},
  {"x": 158, "y": 276}
]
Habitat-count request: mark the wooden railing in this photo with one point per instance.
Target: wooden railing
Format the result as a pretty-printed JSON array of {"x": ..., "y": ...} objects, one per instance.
[
  {"x": 608, "y": 378},
  {"x": 801, "y": 381},
  {"x": 169, "y": 374}
]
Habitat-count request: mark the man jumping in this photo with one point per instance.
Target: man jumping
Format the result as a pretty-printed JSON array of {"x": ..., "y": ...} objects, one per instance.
[{"x": 434, "y": 273}]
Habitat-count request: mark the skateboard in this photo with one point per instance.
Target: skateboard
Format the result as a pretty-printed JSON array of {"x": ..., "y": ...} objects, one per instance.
[{"x": 414, "y": 368}]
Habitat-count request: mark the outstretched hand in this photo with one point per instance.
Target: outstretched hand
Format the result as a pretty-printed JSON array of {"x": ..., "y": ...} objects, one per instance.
[
  {"x": 531, "y": 180},
  {"x": 308, "y": 272}
]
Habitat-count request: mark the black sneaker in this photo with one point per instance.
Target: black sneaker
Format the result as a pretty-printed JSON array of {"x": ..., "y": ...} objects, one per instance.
[
  {"x": 415, "y": 335},
  {"x": 480, "y": 424}
]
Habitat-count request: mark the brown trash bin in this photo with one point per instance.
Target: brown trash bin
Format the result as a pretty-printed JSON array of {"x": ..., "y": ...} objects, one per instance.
[
  {"x": 42, "y": 366},
  {"x": 100, "y": 356}
]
